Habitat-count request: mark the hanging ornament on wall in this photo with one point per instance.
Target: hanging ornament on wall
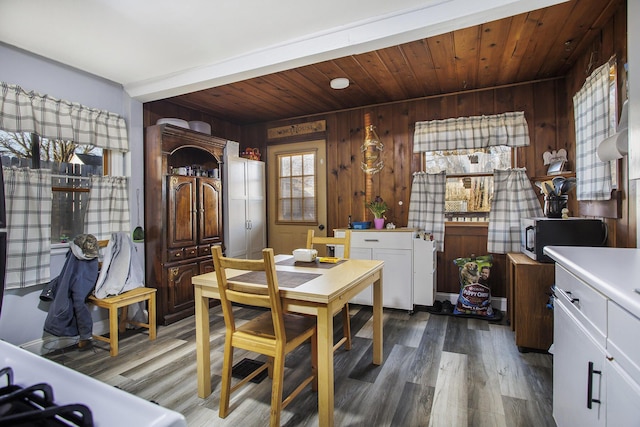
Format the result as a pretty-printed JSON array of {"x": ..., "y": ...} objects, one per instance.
[{"x": 371, "y": 149}]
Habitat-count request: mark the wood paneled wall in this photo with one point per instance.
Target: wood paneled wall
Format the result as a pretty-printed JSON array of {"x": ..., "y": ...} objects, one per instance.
[
  {"x": 543, "y": 102},
  {"x": 611, "y": 41}
]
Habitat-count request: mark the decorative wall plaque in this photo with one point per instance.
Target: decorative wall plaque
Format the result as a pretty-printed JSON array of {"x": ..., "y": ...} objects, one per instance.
[{"x": 299, "y": 129}]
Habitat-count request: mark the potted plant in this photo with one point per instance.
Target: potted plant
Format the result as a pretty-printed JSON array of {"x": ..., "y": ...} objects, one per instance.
[{"x": 378, "y": 207}]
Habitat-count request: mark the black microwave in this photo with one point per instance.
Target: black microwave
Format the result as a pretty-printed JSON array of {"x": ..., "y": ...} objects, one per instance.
[{"x": 540, "y": 232}]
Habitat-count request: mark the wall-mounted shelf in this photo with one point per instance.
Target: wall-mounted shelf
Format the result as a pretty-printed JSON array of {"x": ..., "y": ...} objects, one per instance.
[{"x": 542, "y": 178}]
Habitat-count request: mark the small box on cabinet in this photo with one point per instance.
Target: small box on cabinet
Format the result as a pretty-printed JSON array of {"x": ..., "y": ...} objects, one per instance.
[{"x": 232, "y": 149}]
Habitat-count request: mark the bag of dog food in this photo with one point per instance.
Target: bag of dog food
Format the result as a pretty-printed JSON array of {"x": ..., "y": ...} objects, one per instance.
[{"x": 475, "y": 292}]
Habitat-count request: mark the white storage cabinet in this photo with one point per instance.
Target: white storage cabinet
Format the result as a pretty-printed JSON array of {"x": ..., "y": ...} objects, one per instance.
[
  {"x": 596, "y": 372},
  {"x": 244, "y": 204},
  {"x": 425, "y": 261},
  {"x": 401, "y": 274}
]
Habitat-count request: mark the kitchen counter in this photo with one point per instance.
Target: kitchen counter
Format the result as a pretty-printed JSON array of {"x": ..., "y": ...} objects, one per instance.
[{"x": 614, "y": 272}]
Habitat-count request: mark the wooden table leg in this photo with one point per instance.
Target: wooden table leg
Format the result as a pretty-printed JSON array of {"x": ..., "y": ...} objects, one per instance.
[
  {"x": 203, "y": 360},
  {"x": 377, "y": 321},
  {"x": 325, "y": 367}
]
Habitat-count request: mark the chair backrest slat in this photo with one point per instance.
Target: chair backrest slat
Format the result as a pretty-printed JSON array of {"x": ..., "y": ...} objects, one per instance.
[
  {"x": 249, "y": 294},
  {"x": 319, "y": 240}
]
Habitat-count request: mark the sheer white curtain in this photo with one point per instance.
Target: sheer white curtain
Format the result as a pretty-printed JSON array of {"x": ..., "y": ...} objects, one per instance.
[
  {"x": 108, "y": 206},
  {"x": 28, "y": 201},
  {"x": 591, "y": 110},
  {"x": 426, "y": 205},
  {"x": 513, "y": 198}
]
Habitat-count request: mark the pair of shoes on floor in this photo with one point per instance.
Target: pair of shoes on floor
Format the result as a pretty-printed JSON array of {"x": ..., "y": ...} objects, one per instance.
[
  {"x": 447, "y": 307},
  {"x": 441, "y": 307}
]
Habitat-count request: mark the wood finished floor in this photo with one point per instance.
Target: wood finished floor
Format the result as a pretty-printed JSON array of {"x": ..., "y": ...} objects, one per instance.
[{"x": 437, "y": 371}]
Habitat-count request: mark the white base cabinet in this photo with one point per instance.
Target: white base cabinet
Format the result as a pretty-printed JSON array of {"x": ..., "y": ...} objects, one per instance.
[
  {"x": 244, "y": 204},
  {"x": 401, "y": 274},
  {"x": 596, "y": 364},
  {"x": 425, "y": 281},
  {"x": 577, "y": 370}
]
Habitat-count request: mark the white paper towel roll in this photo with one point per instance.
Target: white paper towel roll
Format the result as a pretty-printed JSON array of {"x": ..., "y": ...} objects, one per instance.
[{"x": 614, "y": 147}]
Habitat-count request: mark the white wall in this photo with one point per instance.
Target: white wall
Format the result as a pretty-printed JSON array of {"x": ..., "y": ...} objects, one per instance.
[{"x": 23, "y": 314}]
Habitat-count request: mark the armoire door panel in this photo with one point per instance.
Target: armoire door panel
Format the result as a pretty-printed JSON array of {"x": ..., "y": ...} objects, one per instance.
[
  {"x": 182, "y": 226},
  {"x": 209, "y": 214},
  {"x": 180, "y": 289}
]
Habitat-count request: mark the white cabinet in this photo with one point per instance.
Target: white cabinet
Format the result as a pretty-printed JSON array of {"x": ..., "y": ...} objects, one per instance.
[
  {"x": 425, "y": 261},
  {"x": 596, "y": 372},
  {"x": 578, "y": 363},
  {"x": 623, "y": 367},
  {"x": 401, "y": 275},
  {"x": 244, "y": 207}
]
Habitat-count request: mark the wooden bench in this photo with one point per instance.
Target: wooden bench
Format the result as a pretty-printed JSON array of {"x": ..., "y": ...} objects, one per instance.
[{"x": 124, "y": 300}]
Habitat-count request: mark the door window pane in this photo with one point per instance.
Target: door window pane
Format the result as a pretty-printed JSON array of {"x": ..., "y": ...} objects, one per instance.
[{"x": 297, "y": 187}]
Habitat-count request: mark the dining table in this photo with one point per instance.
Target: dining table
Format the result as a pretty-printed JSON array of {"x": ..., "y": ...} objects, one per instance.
[{"x": 313, "y": 288}]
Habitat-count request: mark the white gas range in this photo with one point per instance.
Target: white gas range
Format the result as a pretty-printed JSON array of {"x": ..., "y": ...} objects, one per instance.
[{"x": 108, "y": 405}]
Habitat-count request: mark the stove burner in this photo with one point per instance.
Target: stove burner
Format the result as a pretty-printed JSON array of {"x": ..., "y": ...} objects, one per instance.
[{"x": 34, "y": 406}]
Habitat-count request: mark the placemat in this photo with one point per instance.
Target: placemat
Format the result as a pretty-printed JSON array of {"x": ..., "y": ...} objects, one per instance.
[
  {"x": 314, "y": 264},
  {"x": 286, "y": 279}
]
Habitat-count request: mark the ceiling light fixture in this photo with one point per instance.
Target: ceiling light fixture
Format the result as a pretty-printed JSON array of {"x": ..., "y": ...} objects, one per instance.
[{"x": 340, "y": 83}]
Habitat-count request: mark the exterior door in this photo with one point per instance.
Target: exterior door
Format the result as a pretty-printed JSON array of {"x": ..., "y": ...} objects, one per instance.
[{"x": 297, "y": 198}]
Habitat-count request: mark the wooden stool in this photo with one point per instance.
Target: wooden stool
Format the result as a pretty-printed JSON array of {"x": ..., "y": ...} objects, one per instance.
[{"x": 123, "y": 301}]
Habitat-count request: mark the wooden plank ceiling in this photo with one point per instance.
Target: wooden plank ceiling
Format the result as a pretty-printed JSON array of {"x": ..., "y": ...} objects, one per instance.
[{"x": 536, "y": 45}]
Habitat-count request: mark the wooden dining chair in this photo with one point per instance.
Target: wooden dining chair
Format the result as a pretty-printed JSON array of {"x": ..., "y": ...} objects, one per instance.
[
  {"x": 273, "y": 333},
  {"x": 346, "y": 242}
]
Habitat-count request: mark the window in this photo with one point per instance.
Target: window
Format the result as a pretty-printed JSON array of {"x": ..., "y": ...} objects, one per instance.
[
  {"x": 71, "y": 167},
  {"x": 469, "y": 187},
  {"x": 297, "y": 190}
]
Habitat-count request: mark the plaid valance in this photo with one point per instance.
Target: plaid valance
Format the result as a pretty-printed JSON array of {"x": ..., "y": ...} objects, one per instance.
[
  {"x": 508, "y": 129},
  {"x": 22, "y": 111}
]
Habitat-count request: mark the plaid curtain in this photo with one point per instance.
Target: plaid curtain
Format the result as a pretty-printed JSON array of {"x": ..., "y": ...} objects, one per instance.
[
  {"x": 426, "y": 206},
  {"x": 28, "y": 200},
  {"x": 22, "y": 111},
  {"x": 591, "y": 110},
  {"x": 107, "y": 207},
  {"x": 513, "y": 198},
  {"x": 471, "y": 132}
]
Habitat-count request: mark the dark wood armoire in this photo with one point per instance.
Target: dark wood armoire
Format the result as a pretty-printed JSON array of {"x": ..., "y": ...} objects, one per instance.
[{"x": 183, "y": 213}]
